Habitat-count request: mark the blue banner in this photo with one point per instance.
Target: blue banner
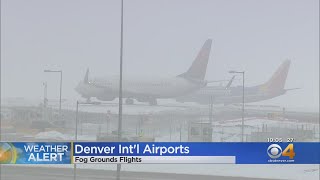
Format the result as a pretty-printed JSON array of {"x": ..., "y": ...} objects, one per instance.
[
  {"x": 159, "y": 152},
  {"x": 245, "y": 153}
]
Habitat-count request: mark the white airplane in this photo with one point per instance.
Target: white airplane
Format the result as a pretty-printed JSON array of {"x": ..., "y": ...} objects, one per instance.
[
  {"x": 149, "y": 90},
  {"x": 274, "y": 87}
]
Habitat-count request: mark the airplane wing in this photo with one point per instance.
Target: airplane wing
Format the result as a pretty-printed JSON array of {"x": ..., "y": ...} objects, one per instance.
[
  {"x": 230, "y": 82},
  {"x": 215, "y": 81},
  {"x": 290, "y": 89}
]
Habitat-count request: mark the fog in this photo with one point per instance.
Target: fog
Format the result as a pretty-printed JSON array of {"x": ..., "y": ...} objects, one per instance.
[{"x": 161, "y": 38}]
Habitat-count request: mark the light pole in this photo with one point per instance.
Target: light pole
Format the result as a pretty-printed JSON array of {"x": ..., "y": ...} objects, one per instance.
[
  {"x": 242, "y": 122},
  {"x": 45, "y": 100},
  {"x": 58, "y": 71},
  {"x": 211, "y": 110},
  {"x": 120, "y": 89}
]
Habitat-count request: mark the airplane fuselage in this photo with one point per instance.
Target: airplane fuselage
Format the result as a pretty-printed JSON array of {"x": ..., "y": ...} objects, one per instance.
[
  {"x": 140, "y": 89},
  {"x": 230, "y": 96},
  {"x": 149, "y": 89}
]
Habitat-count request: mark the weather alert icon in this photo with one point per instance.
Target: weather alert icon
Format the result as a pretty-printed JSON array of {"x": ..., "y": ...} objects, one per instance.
[
  {"x": 274, "y": 151},
  {"x": 8, "y": 153}
]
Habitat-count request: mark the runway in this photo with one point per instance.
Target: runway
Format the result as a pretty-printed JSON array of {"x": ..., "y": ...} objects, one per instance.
[{"x": 13, "y": 172}]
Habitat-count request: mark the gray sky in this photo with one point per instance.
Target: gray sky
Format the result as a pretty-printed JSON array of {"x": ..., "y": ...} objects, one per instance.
[{"x": 162, "y": 38}]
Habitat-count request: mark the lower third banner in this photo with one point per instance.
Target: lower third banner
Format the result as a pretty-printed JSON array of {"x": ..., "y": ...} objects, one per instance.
[{"x": 158, "y": 153}]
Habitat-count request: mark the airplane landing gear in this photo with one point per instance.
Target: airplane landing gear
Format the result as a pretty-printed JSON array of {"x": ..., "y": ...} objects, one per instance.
[
  {"x": 153, "y": 102},
  {"x": 129, "y": 101}
]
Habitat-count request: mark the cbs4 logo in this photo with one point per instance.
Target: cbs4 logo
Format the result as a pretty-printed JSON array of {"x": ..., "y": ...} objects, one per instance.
[{"x": 275, "y": 151}]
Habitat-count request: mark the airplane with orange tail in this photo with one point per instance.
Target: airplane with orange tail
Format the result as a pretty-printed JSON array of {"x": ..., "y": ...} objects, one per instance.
[{"x": 274, "y": 87}]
